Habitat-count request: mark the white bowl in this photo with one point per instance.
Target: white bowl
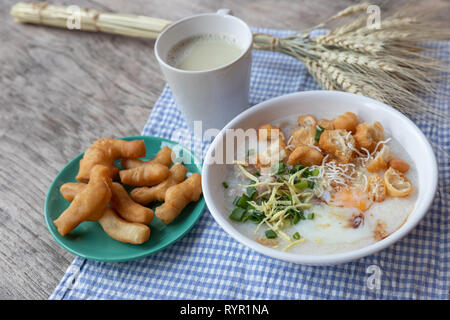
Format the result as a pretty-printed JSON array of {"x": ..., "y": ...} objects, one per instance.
[{"x": 325, "y": 104}]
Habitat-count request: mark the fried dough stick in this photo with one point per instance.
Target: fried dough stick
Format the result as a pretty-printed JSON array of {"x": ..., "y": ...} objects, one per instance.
[
  {"x": 164, "y": 157},
  {"x": 144, "y": 176},
  {"x": 127, "y": 208},
  {"x": 89, "y": 204},
  {"x": 120, "y": 201},
  {"x": 70, "y": 189},
  {"x": 104, "y": 151},
  {"x": 122, "y": 230},
  {"x": 178, "y": 197},
  {"x": 145, "y": 195}
]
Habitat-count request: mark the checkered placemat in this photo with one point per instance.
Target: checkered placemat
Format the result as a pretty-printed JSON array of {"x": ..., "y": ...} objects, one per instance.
[{"x": 208, "y": 264}]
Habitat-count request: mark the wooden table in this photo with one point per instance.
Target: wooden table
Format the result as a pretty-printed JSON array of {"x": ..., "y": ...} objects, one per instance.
[{"x": 61, "y": 90}]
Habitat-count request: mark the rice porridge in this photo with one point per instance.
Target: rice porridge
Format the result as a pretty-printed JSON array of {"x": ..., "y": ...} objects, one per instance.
[{"x": 317, "y": 186}]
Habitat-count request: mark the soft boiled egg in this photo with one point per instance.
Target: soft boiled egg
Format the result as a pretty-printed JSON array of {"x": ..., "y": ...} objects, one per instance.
[{"x": 334, "y": 225}]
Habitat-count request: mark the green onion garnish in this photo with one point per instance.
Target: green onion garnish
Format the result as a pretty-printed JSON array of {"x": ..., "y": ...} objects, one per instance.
[
  {"x": 302, "y": 184},
  {"x": 225, "y": 185},
  {"x": 251, "y": 192},
  {"x": 243, "y": 201},
  {"x": 236, "y": 200},
  {"x": 237, "y": 214},
  {"x": 255, "y": 216},
  {"x": 296, "y": 236},
  {"x": 311, "y": 216},
  {"x": 270, "y": 234},
  {"x": 319, "y": 131},
  {"x": 315, "y": 172}
]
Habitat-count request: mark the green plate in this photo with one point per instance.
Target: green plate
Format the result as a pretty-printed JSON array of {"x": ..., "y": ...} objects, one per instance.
[{"x": 89, "y": 240}]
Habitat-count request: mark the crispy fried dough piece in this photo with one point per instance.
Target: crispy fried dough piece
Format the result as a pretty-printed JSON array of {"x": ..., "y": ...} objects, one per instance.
[
  {"x": 164, "y": 157},
  {"x": 104, "y": 151},
  {"x": 178, "y": 197},
  {"x": 127, "y": 208},
  {"x": 144, "y": 176},
  {"x": 326, "y": 124},
  {"x": 397, "y": 184},
  {"x": 88, "y": 204},
  {"x": 269, "y": 132},
  {"x": 70, "y": 189},
  {"x": 306, "y": 156},
  {"x": 122, "y": 230},
  {"x": 368, "y": 135},
  {"x": 347, "y": 121},
  {"x": 381, "y": 160},
  {"x": 336, "y": 143},
  {"x": 399, "y": 165},
  {"x": 274, "y": 153},
  {"x": 146, "y": 195},
  {"x": 307, "y": 121},
  {"x": 303, "y": 136},
  {"x": 376, "y": 188}
]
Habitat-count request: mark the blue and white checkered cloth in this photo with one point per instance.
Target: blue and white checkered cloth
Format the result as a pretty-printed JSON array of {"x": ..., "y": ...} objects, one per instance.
[{"x": 208, "y": 264}]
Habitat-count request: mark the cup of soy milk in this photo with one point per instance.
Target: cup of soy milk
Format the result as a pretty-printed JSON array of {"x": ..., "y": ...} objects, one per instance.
[{"x": 206, "y": 61}]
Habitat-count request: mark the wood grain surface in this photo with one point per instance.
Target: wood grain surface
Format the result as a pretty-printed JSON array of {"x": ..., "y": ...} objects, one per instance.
[{"x": 61, "y": 90}]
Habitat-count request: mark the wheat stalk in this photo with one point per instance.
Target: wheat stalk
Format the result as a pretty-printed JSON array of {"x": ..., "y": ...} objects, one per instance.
[{"x": 388, "y": 63}]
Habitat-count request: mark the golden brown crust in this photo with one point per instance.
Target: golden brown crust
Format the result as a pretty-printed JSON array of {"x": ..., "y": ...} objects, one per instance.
[
  {"x": 178, "y": 197},
  {"x": 306, "y": 121},
  {"x": 104, "y": 151},
  {"x": 397, "y": 184},
  {"x": 326, "y": 124},
  {"x": 89, "y": 204},
  {"x": 144, "y": 176},
  {"x": 127, "y": 208},
  {"x": 306, "y": 156},
  {"x": 268, "y": 132},
  {"x": 164, "y": 157},
  {"x": 335, "y": 142},
  {"x": 122, "y": 230},
  {"x": 146, "y": 195},
  {"x": 302, "y": 136},
  {"x": 347, "y": 121},
  {"x": 376, "y": 188},
  {"x": 70, "y": 189},
  {"x": 399, "y": 165},
  {"x": 380, "y": 162},
  {"x": 368, "y": 135}
]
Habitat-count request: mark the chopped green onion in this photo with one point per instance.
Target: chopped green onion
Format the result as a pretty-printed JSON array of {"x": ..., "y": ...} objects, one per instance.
[
  {"x": 297, "y": 168},
  {"x": 311, "y": 216},
  {"x": 296, "y": 236},
  {"x": 225, "y": 185},
  {"x": 315, "y": 172},
  {"x": 255, "y": 216},
  {"x": 311, "y": 184},
  {"x": 306, "y": 173},
  {"x": 252, "y": 192},
  {"x": 257, "y": 174},
  {"x": 236, "y": 200},
  {"x": 243, "y": 201},
  {"x": 319, "y": 131},
  {"x": 237, "y": 214},
  {"x": 302, "y": 184},
  {"x": 270, "y": 234}
]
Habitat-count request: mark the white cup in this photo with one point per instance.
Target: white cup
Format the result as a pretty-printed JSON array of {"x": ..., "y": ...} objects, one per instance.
[{"x": 213, "y": 96}]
